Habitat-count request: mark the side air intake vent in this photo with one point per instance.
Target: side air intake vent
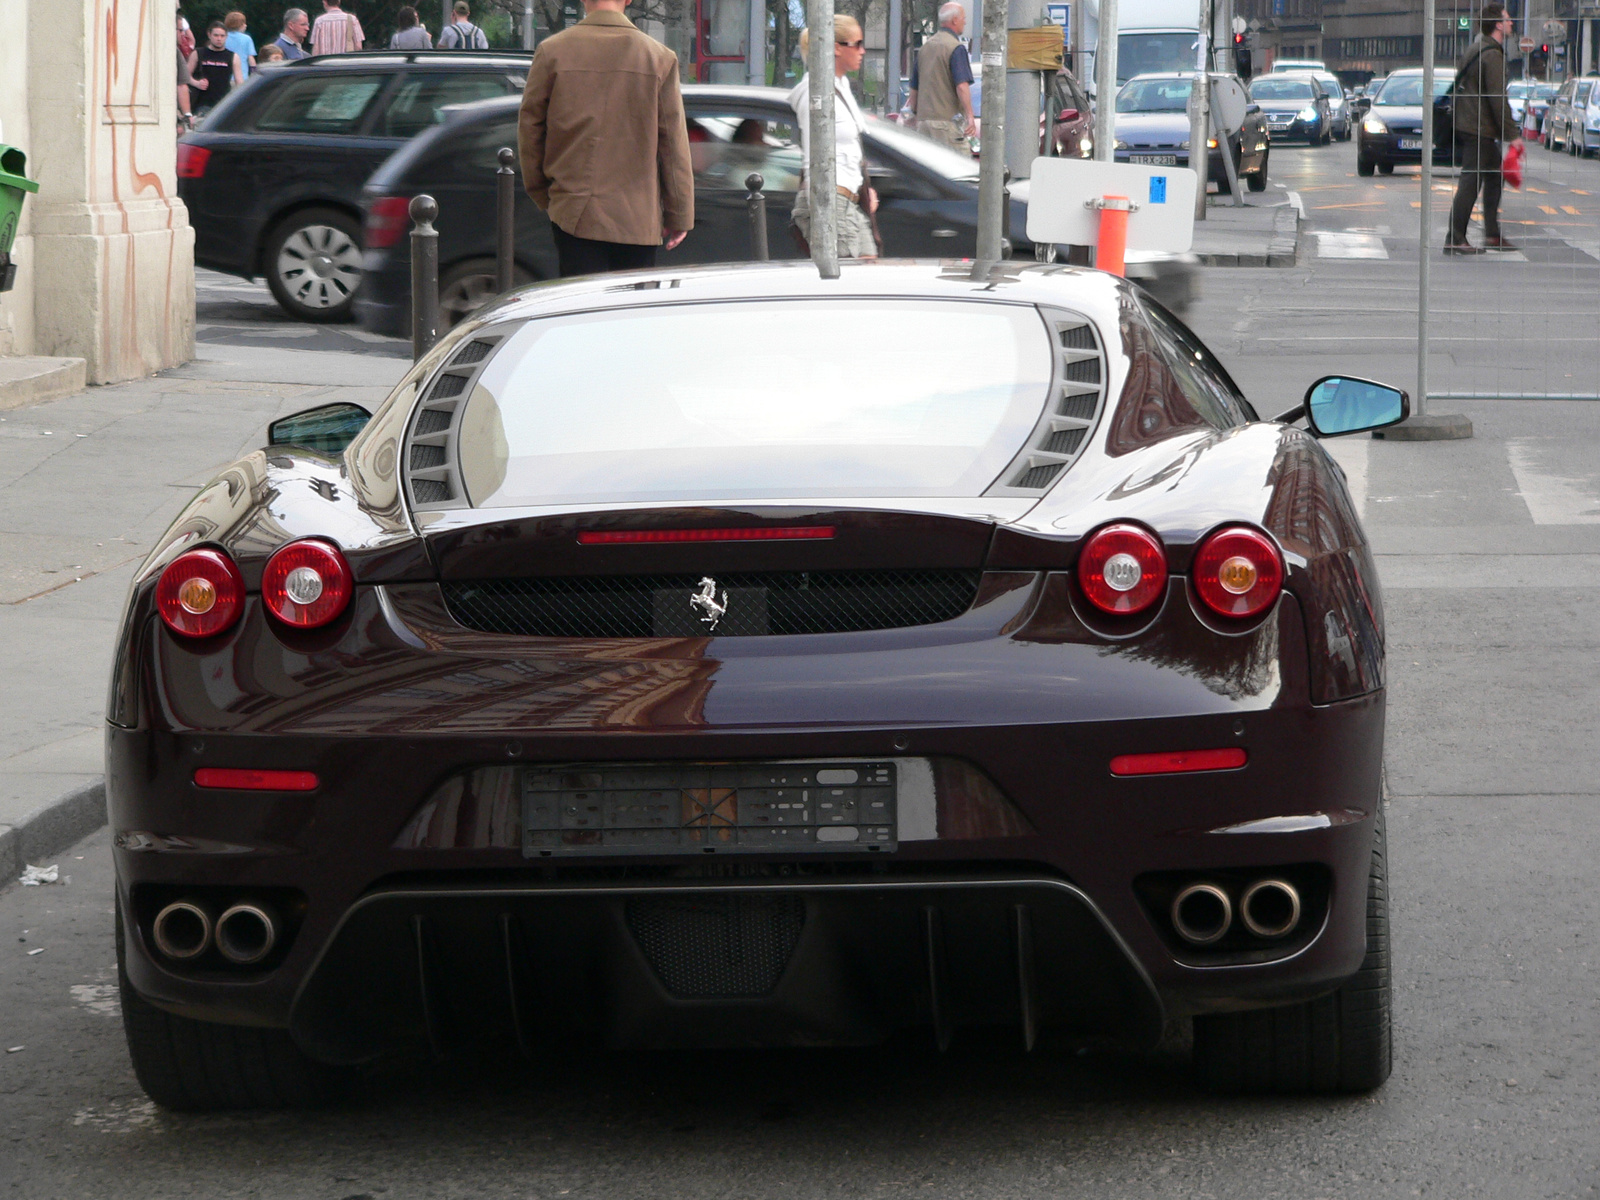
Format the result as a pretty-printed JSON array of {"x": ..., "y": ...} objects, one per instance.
[
  {"x": 1077, "y": 396},
  {"x": 431, "y": 459}
]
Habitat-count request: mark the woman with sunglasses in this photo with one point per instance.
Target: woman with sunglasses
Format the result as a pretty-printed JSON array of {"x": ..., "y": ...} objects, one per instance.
[{"x": 855, "y": 202}]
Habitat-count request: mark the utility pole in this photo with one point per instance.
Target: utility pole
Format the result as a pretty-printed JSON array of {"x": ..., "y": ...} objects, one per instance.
[
  {"x": 893, "y": 42},
  {"x": 821, "y": 176},
  {"x": 992, "y": 149},
  {"x": 1200, "y": 113},
  {"x": 1419, "y": 406},
  {"x": 756, "y": 56},
  {"x": 1105, "y": 83},
  {"x": 1023, "y": 96}
]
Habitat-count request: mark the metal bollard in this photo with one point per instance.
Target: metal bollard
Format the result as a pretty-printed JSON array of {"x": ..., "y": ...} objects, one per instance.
[
  {"x": 424, "y": 275},
  {"x": 506, "y": 214},
  {"x": 757, "y": 204}
]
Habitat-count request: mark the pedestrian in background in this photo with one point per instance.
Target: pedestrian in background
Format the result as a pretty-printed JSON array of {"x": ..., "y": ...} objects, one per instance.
[
  {"x": 336, "y": 31},
  {"x": 1482, "y": 119},
  {"x": 240, "y": 42},
  {"x": 411, "y": 34},
  {"x": 605, "y": 145},
  {"x": 461, "y": 33},
  {"x": 855, "y": 202},
  {"x": 271, "y": 53},
  {"x": 185, "y": 59},
  {"x": 215, "y": 68},
  {"x": 295, "y": 27},
  {"x": 941, "y": 83}
]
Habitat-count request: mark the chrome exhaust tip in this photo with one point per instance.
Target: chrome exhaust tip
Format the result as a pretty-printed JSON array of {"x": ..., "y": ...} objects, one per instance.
[
  {"x": 246, "y": 934},
  {"x": 1270, "y": 908},
  {"x": 182, "y": 931},
  {"x": 1201, "y": 913}
]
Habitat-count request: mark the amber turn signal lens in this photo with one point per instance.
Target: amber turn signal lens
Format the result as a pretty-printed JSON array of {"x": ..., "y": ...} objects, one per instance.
[
  {"x": 200, "y": 594},
  {"x": 307, "y": 584},
  {"x": 1122, "y": 569},
  {"x": 1238, "y": 572}
]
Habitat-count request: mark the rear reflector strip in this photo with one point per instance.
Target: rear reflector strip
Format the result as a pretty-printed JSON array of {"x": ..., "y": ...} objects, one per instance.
[
  {"x": 780, "y": 533},
  {"x": 1175, "y": 761},
  {"x": 255, "y": 781}
]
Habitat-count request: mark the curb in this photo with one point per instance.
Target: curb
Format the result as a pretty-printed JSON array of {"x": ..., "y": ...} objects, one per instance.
[
  {"x": 1281, "y": 249},
  {"x": 51, "y": 829},
  {"x": 31, "y": 379}
]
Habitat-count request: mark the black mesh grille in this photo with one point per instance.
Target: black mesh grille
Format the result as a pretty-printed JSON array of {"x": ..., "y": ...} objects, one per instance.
[
  {"x": 472, "y": 352},
  {"x": 446, "y": 386},
  {"x": 1038, "y": 477},
  {"x": 718, "y": 946},
  {"x": 1087, "y": 371},
  {"x": 433, "y": 420},
  {"x": 1079, "y": 338},
  {"x": 757, "y": 603},
  {"x": 430, "y": 491},
  {"x": 423, "y": 457},
  {"x": 1064, "y": 441},
  {"x": 1081, "y": 407}
]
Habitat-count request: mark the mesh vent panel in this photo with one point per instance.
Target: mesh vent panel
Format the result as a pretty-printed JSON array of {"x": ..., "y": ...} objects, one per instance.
[
  {"x": 758, "y": 603},
  {"x": 430, "y": 491},
  {"x": 1038, "y": 477},
  {"x": 1081, "y": 407},
  {"x": 446, "y": 386},
  {"x": 423, "y": 457},
  {"x": 718, "y": 946},
  {"x": 1080, "y": 337},
  {"x": 1087, "y": 371},
  {"x": 472, "y": 352},
  {"x": 432, "y": 420},
  {"x": 1065, "y": 441}
]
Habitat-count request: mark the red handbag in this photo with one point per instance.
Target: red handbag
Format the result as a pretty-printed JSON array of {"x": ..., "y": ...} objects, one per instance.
[{"x": 1511, "y": 168}]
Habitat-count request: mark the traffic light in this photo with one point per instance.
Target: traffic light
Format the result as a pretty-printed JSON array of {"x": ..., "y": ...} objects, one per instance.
[{"x": 1241, "y": 56}]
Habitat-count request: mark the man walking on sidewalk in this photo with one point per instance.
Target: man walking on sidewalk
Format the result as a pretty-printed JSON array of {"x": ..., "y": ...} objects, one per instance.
[
  {"x": 461, "y": 33},
  {"x": 605, "y": 148},
  {"x": 941, "y": 82},
  {"x": 295, "y": 27},
  {"x": 336, "y": 31},
  {"x": 1482, "y": 118}
]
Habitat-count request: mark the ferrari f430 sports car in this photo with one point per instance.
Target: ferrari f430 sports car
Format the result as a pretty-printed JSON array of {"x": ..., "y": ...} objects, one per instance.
[{"x": 731, "y": 657}]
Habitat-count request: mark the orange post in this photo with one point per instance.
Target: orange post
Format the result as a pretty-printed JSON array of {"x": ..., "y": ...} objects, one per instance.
[{"x": 1112, "y": 248}]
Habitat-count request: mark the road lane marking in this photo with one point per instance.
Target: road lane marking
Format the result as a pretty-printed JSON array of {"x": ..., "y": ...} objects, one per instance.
[
  {"x": 1349, "y": 245},
  {"x": 1547, "y": 210},
  {"x": 1551, "y": 499},
  {"x": 1570, "y": 211}
]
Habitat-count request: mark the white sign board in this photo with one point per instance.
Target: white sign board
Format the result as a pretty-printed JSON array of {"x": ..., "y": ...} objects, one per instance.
[{"x": 1164, "y": 219}]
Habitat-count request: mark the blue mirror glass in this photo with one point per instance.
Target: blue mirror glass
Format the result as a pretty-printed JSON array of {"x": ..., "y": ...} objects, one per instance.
[
  {"x": 328, "y": 429},
  {"x": 1337, "y": 405}
]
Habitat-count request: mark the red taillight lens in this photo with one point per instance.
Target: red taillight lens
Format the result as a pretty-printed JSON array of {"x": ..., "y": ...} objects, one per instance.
[
  {"x": 1238, "y": 572},
  {"x": 1122, "y": 569},
  {"x": 1178, "y": 761},
  {"x": 306, "y": 584},
  {"x": 244, "y": 779},
  {"x": 192, "y": 161},
  {"x": 201, "y": 593},
  {"x": 387, "y": 218}
]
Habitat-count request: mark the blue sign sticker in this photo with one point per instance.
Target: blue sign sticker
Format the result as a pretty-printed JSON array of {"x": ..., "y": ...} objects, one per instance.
[{"x": 1158, "y": 189}]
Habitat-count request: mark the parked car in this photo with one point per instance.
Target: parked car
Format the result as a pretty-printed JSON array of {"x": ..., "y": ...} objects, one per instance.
[
  {"x": 273, "y": 181},
  {"x": 1074, "y": 132},
  {"x": 928, "y": 202},
  {"x": 1295, "y": 106},
  {"x": 1572, "y": 121},
  {"x": 1152, "y": 128},
  {"x": 1530, "y": 100},
  {"x": 703, "y": 658},
  {"x": 1341, "y": 116},
  {"x": 1391, "y": 132}
]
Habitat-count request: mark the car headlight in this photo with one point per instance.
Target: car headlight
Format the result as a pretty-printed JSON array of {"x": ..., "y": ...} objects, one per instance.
[
  {"x": 1183, "y": 145},
  {"x": 1308, "y": 114},
  {"x": 1211, "y": 143},
  {"x": 1086, "y": 145},
  {"x": 1121, "y": 145},
  {"x": 1373, "y": 125}
]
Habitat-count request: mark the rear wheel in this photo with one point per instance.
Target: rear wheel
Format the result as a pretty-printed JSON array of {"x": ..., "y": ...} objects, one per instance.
[
  {"x": 1338, "y": 1043},
  {"x": 1257, "y": 179},
  {"x": 198, "y": 1066},
  {"x": 468, "y": 286},
  {"x": 313, "y": 264}
]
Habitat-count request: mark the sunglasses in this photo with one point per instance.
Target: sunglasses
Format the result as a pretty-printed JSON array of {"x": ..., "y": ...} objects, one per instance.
[{"x": 855, "y": 45}]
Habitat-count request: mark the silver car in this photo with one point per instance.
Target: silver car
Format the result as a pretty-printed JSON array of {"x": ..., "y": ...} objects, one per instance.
[{"x": 1338, "y": 103}]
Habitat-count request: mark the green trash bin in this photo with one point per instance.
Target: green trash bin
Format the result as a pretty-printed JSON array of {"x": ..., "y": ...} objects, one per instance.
[{"x": 13, "y": 186}]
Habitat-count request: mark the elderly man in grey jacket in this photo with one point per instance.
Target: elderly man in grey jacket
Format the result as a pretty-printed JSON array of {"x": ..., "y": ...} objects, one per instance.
[{"x": 1482, "y": 118}]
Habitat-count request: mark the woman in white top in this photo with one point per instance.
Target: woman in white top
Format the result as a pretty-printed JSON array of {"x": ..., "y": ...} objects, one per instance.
[{"x": 854, "y": 203}]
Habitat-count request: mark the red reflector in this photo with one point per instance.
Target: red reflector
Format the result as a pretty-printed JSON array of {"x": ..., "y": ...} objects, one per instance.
[
  {"x": 255, "y": 781},
  {"x": 192, "y": 161},
  {"x": 388, "y": 218},
  {"x": 1174, "y": 761},
  {"x": 780, "y": 533}
]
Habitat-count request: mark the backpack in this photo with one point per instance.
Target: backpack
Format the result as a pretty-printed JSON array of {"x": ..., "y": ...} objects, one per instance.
[{"x": 467, "y": 37}]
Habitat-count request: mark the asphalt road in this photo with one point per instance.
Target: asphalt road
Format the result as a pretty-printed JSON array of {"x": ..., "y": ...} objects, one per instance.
[{"x": 1490, "y": 554}]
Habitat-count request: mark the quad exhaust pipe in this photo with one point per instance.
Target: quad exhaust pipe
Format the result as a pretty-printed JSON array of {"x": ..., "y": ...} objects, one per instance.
[
  {"x": 1202, "y": 913},
  {"x": 243, "y": 934}
]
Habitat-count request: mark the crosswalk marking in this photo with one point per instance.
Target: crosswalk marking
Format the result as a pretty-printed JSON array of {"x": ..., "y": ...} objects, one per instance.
[
  {"x": 1332, "y": 244},
  {"x": 1551, "y": 499}
]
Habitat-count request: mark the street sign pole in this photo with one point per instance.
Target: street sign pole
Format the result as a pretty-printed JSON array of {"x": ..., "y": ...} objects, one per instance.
[
  {"x": 821, "y": 175},
  {"x": 1419, "y": 402},
  {"x": 992, "y": 149},
  {"x": 1105, "y": 84}
]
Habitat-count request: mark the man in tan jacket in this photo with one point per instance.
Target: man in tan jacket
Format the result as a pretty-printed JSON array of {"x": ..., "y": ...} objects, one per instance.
[{"x": 605, "y": 148}]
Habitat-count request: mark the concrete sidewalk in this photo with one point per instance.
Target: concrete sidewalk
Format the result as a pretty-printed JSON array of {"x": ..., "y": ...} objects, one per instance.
[
  {"x": 1264, "y": 233},
  {"x": 87, "y": 484}
]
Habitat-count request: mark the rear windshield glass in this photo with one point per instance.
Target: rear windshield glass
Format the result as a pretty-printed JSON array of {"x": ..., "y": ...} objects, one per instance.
[{"x": 800, "y": 398}]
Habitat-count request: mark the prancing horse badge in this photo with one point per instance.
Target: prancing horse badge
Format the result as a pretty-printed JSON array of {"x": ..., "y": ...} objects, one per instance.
[{"x": 706, "y": 600}]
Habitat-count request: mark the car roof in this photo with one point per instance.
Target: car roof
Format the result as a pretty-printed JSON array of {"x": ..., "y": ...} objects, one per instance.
[{"x": 425, "y": 58}]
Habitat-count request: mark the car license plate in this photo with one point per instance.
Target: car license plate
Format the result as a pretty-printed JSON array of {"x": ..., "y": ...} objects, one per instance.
[
  {"x": 1411, "y": 143},
  {"x": 700, "y": 808},
  {"x": 1154, "y": 160}
]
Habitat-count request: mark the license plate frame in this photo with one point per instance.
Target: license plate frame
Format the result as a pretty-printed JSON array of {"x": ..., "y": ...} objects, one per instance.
[
  {"x": 1154, "y": 160},
  {"x": 1410, "y": 143}
]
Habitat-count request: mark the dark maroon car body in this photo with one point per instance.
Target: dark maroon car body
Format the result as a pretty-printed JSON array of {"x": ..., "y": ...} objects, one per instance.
[{"x": 420, "y": 907}]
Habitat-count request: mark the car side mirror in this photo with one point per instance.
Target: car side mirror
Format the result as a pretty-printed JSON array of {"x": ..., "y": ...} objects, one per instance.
[
  {"x": 1251, "y": 108},
  {"x": 327, "y": 430},
  {"x": 1337, "y": 405}
]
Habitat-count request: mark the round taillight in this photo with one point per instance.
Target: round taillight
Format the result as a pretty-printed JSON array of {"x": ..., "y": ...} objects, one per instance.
[
  {"x": 306, "y": 584},
  {"x": 201, "y": 593},
  {"x": 1122, "y": 569},
  {"x": 1238, "y": 572}
]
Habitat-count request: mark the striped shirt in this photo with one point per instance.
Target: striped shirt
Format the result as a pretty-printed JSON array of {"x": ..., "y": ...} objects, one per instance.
[{"x": 336, "y": 32}]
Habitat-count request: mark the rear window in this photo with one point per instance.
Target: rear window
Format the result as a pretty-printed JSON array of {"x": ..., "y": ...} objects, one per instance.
[
  {"x": 801, "y": 398},
  {"x": 321, "y": 104}
]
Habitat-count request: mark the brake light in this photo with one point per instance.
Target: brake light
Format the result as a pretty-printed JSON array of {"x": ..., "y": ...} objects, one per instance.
[
  {"x": 307, "y": 584},
  {"x": 244, "y": 779},
  {"x": 387, "y": 218},
  {"x": 1122, "y": 569},
  {"x": 201, "y": 593},
  {"x": 192, "y": 161},
  {"x": 1238, "y": 572},
  {"x": 1175, "y": 762}
]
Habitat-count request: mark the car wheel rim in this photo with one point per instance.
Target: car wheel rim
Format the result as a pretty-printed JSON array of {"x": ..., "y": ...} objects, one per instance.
[
  {"x": 465, "y": 296},
  {"x": 319, "y": 266}
]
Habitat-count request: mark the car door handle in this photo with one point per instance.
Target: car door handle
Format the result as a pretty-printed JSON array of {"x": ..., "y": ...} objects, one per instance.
[{"x": 944, "y": 233}]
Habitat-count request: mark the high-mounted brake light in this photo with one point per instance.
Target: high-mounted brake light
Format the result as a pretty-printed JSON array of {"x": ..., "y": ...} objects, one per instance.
[
  {"x": 388, "y": 217},
  {"x": 201, "y": 593},
  {"x": 192, "y": 161},
  {"x": 307, "y": 584},
  {"x": 1175, "y": 762},
  {"x": 1238, "y": 572},
  {"x": 245, "y": 779},
  {"x": 1122, "y": 569},
  {"x": 774, "y": 533}
]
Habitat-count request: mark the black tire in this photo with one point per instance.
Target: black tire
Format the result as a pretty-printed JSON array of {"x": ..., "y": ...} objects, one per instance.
[
  {"x": 312, "y": 261},
  {"x": 467, "y": 286},
  {"x": 1342, "y": 1042},
  {"x": 1385, "y": 168},
  {"x": 1364, "y": 166},
  {"x": 197, "y": 1066}
]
